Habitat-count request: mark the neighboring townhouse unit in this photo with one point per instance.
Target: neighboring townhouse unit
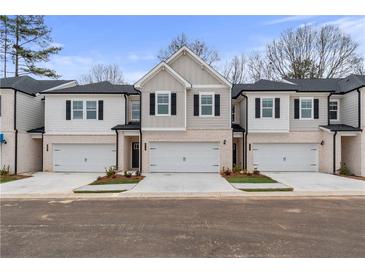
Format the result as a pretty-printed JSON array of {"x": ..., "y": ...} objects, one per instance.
[
  {"x": 301, "y": 124},
  {"x": 21, "y": 118}
]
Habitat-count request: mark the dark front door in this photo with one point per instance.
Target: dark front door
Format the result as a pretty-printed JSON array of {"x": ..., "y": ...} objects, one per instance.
[
  {"x": 234, "y": 154},
  {"x": 135, "y": 155}
]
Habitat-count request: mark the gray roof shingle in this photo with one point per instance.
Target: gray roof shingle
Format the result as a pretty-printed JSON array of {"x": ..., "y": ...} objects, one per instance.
[
  {"x": 100, "y": 87},
  {"x": 29, "y": 85}
]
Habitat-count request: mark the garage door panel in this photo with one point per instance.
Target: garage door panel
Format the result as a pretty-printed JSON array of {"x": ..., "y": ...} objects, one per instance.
[
  {"x": 83, "y": 157},
  {"x": 184, "y": 157},
  {"x": 285, "y": 157}
]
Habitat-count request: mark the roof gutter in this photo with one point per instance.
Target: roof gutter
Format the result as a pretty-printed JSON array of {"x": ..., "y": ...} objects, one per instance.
[
  {"x": 334, "y": 152},
  {"x": 359, "y": 107},
  {"x": 16, "y": 135},
  {"x": 246, "y": 131},
  {"x": 328, "y": 108}
]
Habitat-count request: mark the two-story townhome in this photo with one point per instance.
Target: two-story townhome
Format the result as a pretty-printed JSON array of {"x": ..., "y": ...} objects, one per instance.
[
  {"x": 300, "y": 124},
  {"x": 21, "y": 121},
  {"x": 177, "y": 118}
]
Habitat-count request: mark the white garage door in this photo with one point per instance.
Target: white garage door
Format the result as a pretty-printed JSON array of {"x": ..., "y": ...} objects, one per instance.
[
  {"x": 184, "y": 157},
  {"x": 285, "y": 157},
  {"x": 83, "y": 157}
]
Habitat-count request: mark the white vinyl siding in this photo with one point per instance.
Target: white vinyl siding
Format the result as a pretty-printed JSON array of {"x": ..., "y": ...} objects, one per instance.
[
  {"x": 30, "y": 112},
  {"x": 263, "y": 124},
  {"x": 349, "y": 109},
  {"x": 55, "y": 116},
  {"x": 312, "y": 124}
]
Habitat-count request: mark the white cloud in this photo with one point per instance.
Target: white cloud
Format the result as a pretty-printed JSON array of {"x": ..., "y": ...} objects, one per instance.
[
  {"x": 133, "y": 56},
  {"x": 286, "y": 19}
]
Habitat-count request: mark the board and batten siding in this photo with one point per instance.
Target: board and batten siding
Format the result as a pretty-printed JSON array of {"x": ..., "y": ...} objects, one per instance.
[
  {"x": 349, "y": 109},
  {"x": 55, "y": 114},
  {"x": 223, "y": 121},
  {"x": 30, "y": 112},
  {"x": 192, "y": 71},
  {"x": 242, "y": 107},
  {"x": 313, "y": 124},
  {"x": 268, "y": 124},
  {"x": 163, "y": 81}
]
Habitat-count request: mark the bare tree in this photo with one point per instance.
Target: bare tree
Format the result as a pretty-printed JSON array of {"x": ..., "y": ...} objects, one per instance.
[
  {"x": 360, "y": 67},
  {"x": 100, "y": 72},
  {"x": 310, "y": 53},
  {"x": 259, "y": 67},
  {"x": 199, "y": 47},
  {"x": 235, "y": 69}
]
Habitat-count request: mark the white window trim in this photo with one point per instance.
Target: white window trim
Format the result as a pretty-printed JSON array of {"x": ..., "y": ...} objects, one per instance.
[
  {"x": 273, "y": 108},
  {"x": 156, "y": 103},
  {"x": 300, "y": 108},
  {"x": 234, "y": 113},
  {"x": 200, "y": 104},
  {"x": 338, "y": 109},
  {"x": 84, "y": 109},
  {"x": 139, "y": 110}
]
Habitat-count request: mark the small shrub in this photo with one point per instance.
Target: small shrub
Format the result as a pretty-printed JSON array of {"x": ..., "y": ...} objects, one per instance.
[
  {"x": 99, "y": 178},
  {"x": 344, "y": 170},
  {"x": 226, "y": 172},
  {"x": 256, "y": 172},
  {"x": 110, "y": 171},
  {"x": 114, "y": 176},
  {"x": 244, "y": 171},
  {"x": 127, "y": 174},
  {"x": 138, "y": 173},
  {"x": 5, "y": 170},
  {"x": 249, "y": 174},
  {"x": 236, "y": 169}
]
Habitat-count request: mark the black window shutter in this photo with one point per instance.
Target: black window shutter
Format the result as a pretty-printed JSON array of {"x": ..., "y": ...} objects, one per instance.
[
  {"x": 101, "y": 110},
  {"x": 296, "y": 108},
  {"x": 316, "y": 108},
  {"x": 277, "y": 107},
  {"x": 152, "y": 104},
  {"x": 257, "y": 108},
  {"x": 196, "y": 104},
  {"x": 173, "y": 103},
  {"x": 68, "y": 109},
  {"x": 217, "y": 105}
]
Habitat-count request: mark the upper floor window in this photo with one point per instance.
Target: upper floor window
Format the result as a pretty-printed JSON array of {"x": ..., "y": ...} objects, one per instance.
[
  {"x": 206, "y": 104},
  {"x": 334, "y": 110},
  {"x": 306, "y": 108},
  {"x": 77, "y": 109},
  {"x": 163, "y": 103},
  {"x": 267, "y": 107},
  {"x": 233, "y": 113},
  {"x": 90, "y": 109},
  {"x": 135, "y": 111}
]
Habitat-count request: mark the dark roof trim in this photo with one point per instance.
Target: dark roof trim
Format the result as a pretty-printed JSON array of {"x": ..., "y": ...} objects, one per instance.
[
  {"x": 88, "y": 92},
  {"x": 278, "y": 91},
  {"x": 36, "y": 130}
]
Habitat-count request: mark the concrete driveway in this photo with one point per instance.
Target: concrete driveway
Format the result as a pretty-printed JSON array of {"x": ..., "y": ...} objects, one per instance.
[
  {"x": 317, "y": 181},
  {"x": 183, "y": 182},
  {"x": 48, "y": 183}
]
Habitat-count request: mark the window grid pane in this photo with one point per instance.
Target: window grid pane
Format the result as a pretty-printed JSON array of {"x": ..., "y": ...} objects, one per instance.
[
  {"x": 206, "y": 104},
  {"x": 77, "y": 107}
]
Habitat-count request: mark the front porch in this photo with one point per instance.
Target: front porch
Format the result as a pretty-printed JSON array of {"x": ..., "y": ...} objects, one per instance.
[
  {"x": 342, "y": 145},
  {"x": 238, "y": 146},
  {"x": 128, "y": 147}
]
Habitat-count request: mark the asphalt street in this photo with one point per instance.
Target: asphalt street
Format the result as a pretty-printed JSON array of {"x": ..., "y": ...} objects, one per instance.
[{"x": 235, "y": 227}]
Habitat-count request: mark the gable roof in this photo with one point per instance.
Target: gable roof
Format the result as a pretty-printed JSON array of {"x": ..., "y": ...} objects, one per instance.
[
  {"x": 30, "y": 85},
  {"x": 96, "y": 88},
  {"x": 209, "y": 68},
  {"x": 162, "y": 66}
]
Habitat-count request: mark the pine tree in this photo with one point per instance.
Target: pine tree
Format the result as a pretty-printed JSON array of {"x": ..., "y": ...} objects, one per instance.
[
  {"x": 31, "y": 44},
  {"x": 4, "y": 42}
]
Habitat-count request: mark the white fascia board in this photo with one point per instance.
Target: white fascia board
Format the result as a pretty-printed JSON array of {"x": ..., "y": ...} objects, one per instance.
[
  {"x": 215, "y": 73},
  {"x": 158, "y": 68},
  {"x": 65, "y": 85}
]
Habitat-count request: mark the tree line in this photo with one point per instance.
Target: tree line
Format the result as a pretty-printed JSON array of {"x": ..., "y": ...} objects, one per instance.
[{"x": 304, "y": 52}]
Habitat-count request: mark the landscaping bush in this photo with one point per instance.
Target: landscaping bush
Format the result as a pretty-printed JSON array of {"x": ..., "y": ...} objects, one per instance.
[
  {"x": 127, "y": 174},
  {"x": 344, "y": 170},
  {"x": 256, "y": 172},
  {"x": 236, "y": 169},
  {"x": 110, "y": 171},
  {"x": 226, "y": 172},
  {"x": 5, "y": 170}
]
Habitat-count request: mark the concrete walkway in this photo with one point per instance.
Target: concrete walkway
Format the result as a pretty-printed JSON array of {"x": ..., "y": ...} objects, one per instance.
[
  {"x": 104, "y": 188},
  {"x": 317, "y": 182},
  {"x": 263, "y": 186},
  {"x": 48, "y": 183},
  {"x": 183, "y": 183}
]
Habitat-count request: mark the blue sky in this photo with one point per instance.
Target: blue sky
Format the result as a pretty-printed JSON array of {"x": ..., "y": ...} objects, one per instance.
[{"x": 133, "y": 42}]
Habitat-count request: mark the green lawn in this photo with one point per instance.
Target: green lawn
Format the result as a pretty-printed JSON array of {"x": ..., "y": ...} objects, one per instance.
[
  {"x": 254, "y": 179},
  {"x": 9, "y": 178},
  {"x": 117, "y": 180}
]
